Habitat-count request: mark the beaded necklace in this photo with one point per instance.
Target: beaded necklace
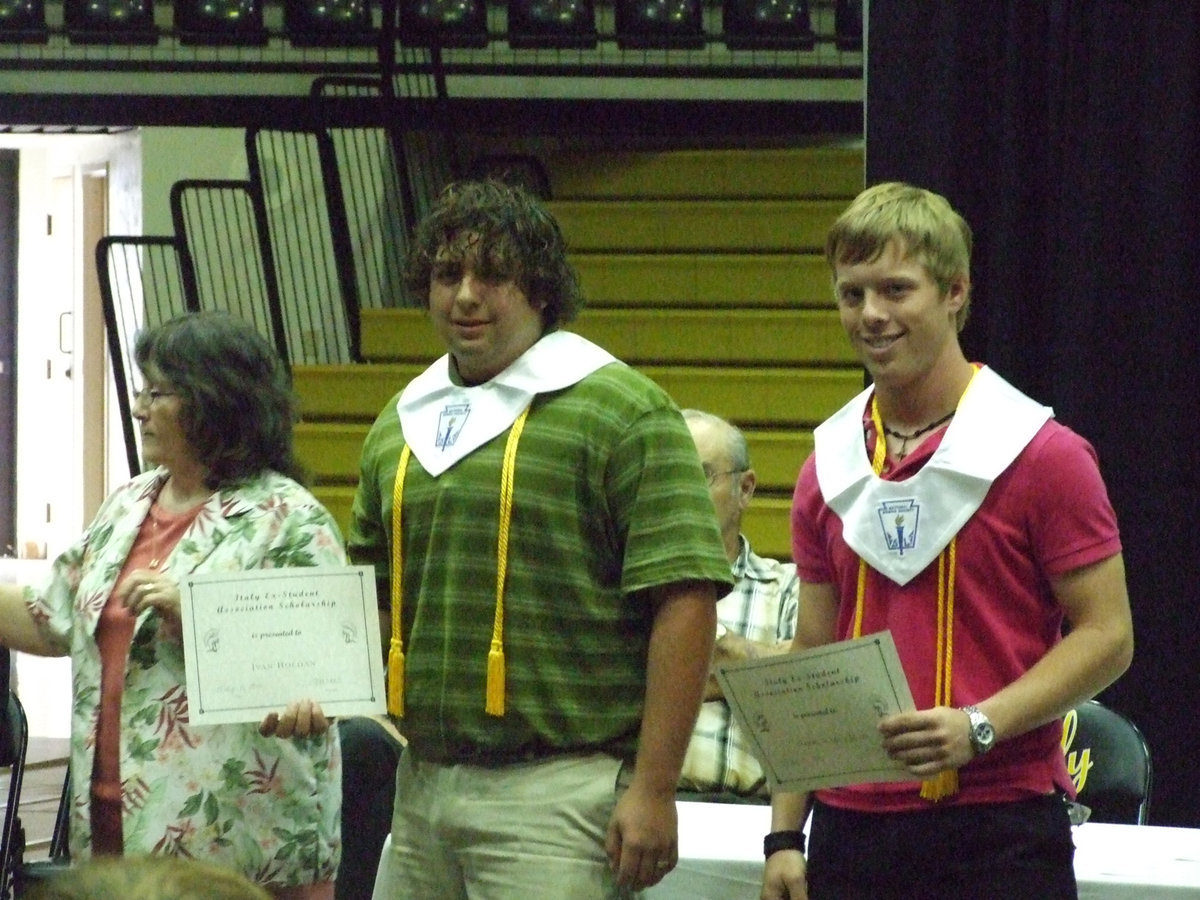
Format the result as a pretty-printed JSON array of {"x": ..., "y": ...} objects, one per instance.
[{"x": 944, "y": 783}]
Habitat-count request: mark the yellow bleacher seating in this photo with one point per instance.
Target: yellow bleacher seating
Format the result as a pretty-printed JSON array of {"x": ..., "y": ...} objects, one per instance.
[{"x": 702, "y": 268}]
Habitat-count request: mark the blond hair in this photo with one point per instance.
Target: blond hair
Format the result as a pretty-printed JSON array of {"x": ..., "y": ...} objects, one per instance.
[
  {"x": 922, "y": 222},
  {"x": 147, "y": 878}
]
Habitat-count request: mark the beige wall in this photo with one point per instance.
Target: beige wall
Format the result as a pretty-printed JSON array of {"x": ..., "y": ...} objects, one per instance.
[{"x": 172, "y": 154}]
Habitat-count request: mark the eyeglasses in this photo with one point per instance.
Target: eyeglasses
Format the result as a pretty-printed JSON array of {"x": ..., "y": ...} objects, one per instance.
[
  {"x": 713, "y": 476},
  {"x": 150, "y": 395}
]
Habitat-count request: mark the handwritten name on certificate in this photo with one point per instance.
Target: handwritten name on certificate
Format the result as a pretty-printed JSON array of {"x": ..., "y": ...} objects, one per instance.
[
  {"x": 811, "y": 717},
  {"x": 255, "y": 641}
]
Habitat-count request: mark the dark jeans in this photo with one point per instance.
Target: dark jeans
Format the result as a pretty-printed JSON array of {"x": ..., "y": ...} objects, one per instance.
[
  {"x": 981, "y": 852},
  {"x": 369, "y": 757}
]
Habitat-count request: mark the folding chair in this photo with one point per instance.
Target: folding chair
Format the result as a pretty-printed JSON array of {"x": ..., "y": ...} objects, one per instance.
[
  {"x": 14, "y": 742},
  {"x": 1109, "y": 761}
]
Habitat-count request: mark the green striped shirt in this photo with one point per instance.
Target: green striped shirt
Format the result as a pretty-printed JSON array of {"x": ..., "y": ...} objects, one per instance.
[{"x": 609, "y": 500}]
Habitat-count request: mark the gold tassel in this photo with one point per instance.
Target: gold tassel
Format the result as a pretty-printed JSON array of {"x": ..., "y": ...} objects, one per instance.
[
  {"x": 940, "y": 786},
  {"x": 493, "y": 703},
  {"x": 395, "y": 690},
  {"x": 495, "y": 680}
]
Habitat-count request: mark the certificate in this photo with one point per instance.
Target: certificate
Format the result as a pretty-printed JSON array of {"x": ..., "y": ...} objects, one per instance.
[
  {"x": 811, "y": 717},
  {"x": 258, "y": 640}
]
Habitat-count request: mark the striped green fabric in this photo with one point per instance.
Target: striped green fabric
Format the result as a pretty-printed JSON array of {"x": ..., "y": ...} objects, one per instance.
[{"x": 609, "y": 500}]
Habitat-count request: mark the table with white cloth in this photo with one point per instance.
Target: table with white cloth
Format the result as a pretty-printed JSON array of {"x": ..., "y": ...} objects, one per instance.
[{"x": 720, "y": 858}]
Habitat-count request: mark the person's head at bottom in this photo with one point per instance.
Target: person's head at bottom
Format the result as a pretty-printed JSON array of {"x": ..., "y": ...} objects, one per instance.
[{"x": 146, "y": 878}]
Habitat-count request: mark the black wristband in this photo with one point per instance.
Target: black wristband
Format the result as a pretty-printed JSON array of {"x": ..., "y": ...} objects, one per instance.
[{"x": 783, "y": 840}]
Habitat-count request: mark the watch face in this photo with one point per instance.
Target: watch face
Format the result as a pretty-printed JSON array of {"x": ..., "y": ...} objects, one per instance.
[{"x": 983, "y": 735}]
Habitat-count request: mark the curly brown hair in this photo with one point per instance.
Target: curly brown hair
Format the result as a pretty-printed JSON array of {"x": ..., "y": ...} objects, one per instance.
[{"x": 512, "y": 236}]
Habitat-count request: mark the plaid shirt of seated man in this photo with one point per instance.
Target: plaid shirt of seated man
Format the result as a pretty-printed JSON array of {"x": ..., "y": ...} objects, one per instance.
[{"x": 762, "y": 608}]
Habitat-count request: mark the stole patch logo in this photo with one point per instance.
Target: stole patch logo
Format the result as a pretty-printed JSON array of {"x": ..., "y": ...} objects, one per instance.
[
  {"x": 899, "y": 520},
  {"x": 450, "y": 424}
]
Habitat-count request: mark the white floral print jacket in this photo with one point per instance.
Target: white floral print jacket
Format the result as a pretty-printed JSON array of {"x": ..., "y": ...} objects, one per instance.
[{"x": 268, "y": 807}]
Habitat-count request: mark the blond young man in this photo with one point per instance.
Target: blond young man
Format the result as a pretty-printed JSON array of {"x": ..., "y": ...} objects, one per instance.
[{"x": 948, "y": 507}]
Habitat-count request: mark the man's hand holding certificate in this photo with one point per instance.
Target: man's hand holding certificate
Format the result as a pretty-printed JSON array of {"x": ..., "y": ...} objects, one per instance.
[
  {"x": 256, "y": 641},
  {"x": 811, "y": 717}
]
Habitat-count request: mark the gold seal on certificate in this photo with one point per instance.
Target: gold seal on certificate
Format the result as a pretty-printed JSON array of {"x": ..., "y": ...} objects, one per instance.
[
  {"x": 256, "y": 640},
  {"x": 810, "y": 717}
]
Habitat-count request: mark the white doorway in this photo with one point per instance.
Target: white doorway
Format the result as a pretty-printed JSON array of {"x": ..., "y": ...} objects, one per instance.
[{"x": 73, "y": 189}]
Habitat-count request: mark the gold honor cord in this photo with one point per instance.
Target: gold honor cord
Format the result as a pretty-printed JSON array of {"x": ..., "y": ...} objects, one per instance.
[
  {"x": 495, "y": 664},
  {"x": 494, "y": 704},
  {"x": 395, "y": 694},
  {"x": 944, "y": 783}
]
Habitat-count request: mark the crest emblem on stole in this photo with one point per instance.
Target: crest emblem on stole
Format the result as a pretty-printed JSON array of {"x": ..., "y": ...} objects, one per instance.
[
  {"x": 450, "y": 423},
  {"x": 899, "y": 520}
]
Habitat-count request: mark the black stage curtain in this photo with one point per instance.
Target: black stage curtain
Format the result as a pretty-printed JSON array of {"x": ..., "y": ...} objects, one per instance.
[{"x": 1067, "y": 133}]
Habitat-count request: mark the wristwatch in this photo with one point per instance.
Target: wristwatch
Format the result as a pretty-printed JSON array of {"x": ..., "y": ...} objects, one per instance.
[{"x": 983, "y": 735}]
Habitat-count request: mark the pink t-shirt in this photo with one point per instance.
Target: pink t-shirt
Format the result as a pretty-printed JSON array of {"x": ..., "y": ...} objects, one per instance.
[
  {"x": 159, "y": 534},
  {"x": 1044, "y": 516}
]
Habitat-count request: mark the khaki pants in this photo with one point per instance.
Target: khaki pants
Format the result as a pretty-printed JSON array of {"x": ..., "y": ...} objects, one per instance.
[{"x": 513, "y": 832}]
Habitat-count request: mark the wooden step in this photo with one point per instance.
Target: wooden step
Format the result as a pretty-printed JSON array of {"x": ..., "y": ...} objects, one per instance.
[
  {"x": 719, "y": 337},
  {"x": 656, "y": 336},
  {"x": 767, "y": 524},
  {"x": 763, "y": 396},
  {"x": 330, "y": 452},
  {"x": 776, "y": 457},
  {"x": 711, "y": 279},
  {"x": 349, "y": 393},
  {"x": 769, "y": 397},
  {"x": 836, "y": 170},
  {"x": 756, "y": 226}
]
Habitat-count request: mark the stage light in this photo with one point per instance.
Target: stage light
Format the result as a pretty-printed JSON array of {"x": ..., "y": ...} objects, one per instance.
[
  {"x": 848, "y": 24},
  {"x": 665, "y": 24},
  {"x": 23, "y": 22},
  {"x": 767, "y": 25},
  {"x": 235, "y": 22},
  {"x": 443, "y": 23},
  {"x": 329, "y": 23},
  {"x": 110, "y": 21},
  {"x": 567, "y": 24}
]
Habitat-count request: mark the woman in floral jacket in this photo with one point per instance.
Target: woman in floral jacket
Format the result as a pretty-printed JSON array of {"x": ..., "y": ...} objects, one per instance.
[{"x": 215, "y": 417}]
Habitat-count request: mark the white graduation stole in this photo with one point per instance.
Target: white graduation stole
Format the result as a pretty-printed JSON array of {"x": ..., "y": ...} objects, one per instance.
[
  {"x": 443, "y": 422},
  {"x": 900, "y": 527}
]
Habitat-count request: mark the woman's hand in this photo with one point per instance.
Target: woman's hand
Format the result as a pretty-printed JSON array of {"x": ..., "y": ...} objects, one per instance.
[
  {"x": 146, "y": 589},
  {"x": 304, "y": 718}
]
